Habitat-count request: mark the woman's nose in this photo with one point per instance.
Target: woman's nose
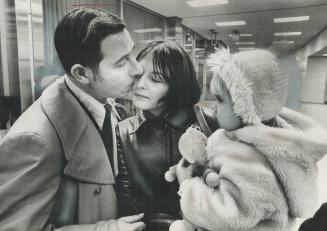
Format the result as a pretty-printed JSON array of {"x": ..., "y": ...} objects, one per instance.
[
  {"x": 136, "y": 68},
  {"x": 141, "y": 81}
]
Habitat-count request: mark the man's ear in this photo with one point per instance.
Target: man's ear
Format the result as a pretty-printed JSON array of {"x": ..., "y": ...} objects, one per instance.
[{"x": 81, "y": 74}]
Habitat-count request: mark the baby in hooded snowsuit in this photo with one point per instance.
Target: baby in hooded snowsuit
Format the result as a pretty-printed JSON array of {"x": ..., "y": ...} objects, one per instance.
[{"x": 267, "y": 178}]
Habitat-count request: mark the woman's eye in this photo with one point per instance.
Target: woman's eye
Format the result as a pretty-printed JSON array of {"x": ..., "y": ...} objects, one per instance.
[
  {"x": 218, "y": 97},
  {"x": 156, "y": 78}
]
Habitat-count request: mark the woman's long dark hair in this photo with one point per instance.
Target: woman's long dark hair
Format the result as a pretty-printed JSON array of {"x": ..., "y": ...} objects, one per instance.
[{"x": 176, "y": 67}]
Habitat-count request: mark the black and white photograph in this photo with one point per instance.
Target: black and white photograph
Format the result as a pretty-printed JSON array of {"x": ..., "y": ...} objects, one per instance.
[{"x": 163, "y": 115}]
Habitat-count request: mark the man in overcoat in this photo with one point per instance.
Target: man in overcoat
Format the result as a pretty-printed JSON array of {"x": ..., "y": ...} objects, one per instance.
[{"x": 58, "y": 162}]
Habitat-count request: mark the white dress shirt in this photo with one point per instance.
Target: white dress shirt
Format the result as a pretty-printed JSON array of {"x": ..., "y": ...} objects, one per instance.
[
  {"x": 98, "y": 112},
  {"x": 93, "y": 105}
]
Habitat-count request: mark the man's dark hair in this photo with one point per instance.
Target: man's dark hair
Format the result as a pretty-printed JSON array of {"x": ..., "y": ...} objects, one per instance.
[
  {"x": 79, "y": 34},
  {"x": 172, "y": 62}
]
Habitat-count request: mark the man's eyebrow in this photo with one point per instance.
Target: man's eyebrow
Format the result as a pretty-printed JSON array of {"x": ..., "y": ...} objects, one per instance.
[{"x": 125, "y": 56}]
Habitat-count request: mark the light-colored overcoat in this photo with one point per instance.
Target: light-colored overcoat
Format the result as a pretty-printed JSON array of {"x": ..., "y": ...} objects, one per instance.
[{"x": 55, "y": 139}]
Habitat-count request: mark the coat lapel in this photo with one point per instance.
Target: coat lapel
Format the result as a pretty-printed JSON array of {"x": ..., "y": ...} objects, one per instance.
[{"x": 86, "y": 156}]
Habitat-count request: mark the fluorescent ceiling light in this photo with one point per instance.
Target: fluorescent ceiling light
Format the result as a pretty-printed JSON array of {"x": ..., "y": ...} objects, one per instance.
[
  {"x": 244, "y": 43},
  {"x": 246, "y": 35},
  {"x": 148, "y": 30},
  {"x": 231, "y": 23},
  {"x": 246, "y": 48},
  {"x": 242, "y": 35},
  {"x": 287, "y": 33},
  {"x": 283, "y": 42},
  {"x": 324, "y": 54},
  {"x": 291, "y": 19},
  {"x": 202, "y": 3},
  {"x": 199, "y": 49}
]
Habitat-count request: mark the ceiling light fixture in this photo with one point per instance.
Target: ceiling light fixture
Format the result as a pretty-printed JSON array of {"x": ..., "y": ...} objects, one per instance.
[
  {"x": 291, "y": 19},
  {"x": 231, "y": 23},
  {"x": 246, "y": 48},
  {"x": 283, "y": 42},
  {"x": 202, "y": 3},
  {"x": 242, "y": 35},
  {"x": 324, "y": 54},
  {"x": 288, "y": 33},
  {"x": 246, "y": 35},
  {"x": 148, "y": 30},
  {"x": 245, "y": 43}
]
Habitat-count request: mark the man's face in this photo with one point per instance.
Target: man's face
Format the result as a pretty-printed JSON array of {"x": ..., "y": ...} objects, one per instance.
[{"x": 118, "y": 68}]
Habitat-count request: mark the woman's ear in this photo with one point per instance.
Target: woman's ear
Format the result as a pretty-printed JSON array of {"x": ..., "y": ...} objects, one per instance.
[{"x": 82, "y": 74}]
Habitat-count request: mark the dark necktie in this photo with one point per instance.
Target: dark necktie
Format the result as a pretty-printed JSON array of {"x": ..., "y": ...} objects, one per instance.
[{"x": 106, "y": 134}]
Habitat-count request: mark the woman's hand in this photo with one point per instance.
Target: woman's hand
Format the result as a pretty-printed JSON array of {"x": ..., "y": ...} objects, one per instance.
[{"x": 183, "y": 172}]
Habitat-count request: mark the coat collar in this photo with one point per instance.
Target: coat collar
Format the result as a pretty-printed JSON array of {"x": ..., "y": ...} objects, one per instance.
[
  {"x": 84, "y": 150},
  {"x": 180, "y": 119}
]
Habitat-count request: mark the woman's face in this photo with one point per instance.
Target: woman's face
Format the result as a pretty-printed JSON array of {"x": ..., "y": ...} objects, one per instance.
[
  {"x": 225, "y": 110},
  {"x": 150, "y": 89}
]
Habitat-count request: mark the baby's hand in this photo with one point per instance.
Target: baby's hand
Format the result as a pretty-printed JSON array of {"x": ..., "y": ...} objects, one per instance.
[{"x": 130, "y": 223}]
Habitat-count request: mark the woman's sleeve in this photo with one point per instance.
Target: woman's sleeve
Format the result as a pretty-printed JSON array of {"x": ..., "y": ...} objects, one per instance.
[{"x": 123, "y": 183}]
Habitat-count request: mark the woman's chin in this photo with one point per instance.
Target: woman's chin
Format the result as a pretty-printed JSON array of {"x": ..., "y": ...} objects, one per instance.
[{"x": 139, "y": 103}]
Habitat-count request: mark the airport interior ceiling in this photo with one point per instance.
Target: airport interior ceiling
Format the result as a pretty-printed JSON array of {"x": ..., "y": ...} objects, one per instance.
[{"x": 277, "y": 24}]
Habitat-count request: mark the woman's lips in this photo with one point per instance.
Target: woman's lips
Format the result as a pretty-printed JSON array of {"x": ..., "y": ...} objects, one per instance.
[{"x": 139, "y": 95}]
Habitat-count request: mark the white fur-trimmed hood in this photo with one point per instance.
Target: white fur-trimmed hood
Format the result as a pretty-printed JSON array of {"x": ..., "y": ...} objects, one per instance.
[{"x": 255, "y": 81}]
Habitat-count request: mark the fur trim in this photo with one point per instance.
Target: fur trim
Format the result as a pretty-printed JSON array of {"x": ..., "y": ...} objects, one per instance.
[
  {"x": 223, "y": 66},
  {"x": 293, "y": 154},
  {"x": 257, "y": 85}
]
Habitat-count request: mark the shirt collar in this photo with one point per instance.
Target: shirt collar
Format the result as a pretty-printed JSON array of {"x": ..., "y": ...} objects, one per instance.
[{"x": 93, "y": 105}]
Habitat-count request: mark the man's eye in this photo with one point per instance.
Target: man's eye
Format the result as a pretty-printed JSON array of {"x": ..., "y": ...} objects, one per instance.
[
  {"x": 121, "y": 63},
  {"x": 218, "y": 97}
]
